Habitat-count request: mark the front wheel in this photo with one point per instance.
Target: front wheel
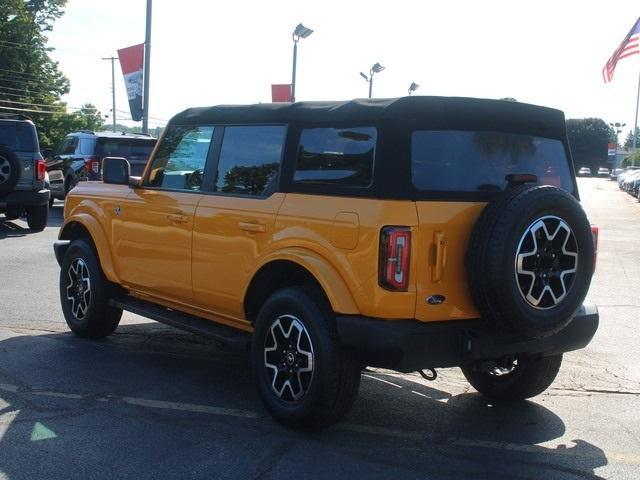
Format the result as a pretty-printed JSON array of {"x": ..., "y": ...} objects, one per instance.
[
  {"x": 37, "y": 217},
  {"x": 305, "y": 377},
  {"x": 84, "y": 293},
  {"x": 523, "y": 377}
]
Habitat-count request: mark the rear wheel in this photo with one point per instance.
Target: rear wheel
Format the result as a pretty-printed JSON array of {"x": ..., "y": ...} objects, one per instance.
[
  {"x": 84, "y": 293},
  {"x": 37, "y": 217},
  {"x": 305, "y": 377},
  {"x": 523, "y": 377}
]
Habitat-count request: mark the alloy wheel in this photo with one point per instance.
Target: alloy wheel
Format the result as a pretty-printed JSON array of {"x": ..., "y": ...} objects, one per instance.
[
  {"x": 79, "y": 288},
  {"x": 289, "y": 358},
  {"x": 546, "y": 262},
  {"x": 5, "y": 170}
]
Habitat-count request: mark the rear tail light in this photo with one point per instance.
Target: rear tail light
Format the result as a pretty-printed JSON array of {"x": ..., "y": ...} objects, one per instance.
[
  {"x": 92, "y": 164},
  {"x": 41, "y": 169},
  {"x": 595, "y": 231},
  {"x": 395, "y": 256}
]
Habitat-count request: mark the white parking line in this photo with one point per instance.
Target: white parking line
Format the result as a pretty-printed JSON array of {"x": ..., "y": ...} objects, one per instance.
[
  {"x": 381, "y": 380},
  {"x": 189, "y": 407}
]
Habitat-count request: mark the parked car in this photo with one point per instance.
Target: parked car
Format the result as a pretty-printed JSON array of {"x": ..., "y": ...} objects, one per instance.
[
  {"x": 334, "y": 235},
  {"x": 627, "y": 181},
  {"x": 22, "y": 173},
  {"x": 603, "y": 172},
  {"x": 615, "y": 172},
  {"x": 80, "y": 155},
  {"x": 584, "y": 172}
]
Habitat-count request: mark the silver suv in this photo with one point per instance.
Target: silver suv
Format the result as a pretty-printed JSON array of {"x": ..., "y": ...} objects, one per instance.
[{"x": 23, "y": 189}]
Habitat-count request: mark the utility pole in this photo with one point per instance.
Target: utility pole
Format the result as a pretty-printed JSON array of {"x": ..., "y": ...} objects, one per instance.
[
  {"x": 147, "y": 67},
  {"x": 113, "y": 89}
]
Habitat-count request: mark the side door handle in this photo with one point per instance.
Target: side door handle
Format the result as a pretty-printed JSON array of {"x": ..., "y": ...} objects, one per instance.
[
  {"x": 252, "y": 227},
  {"x": 177, "y": 217}
]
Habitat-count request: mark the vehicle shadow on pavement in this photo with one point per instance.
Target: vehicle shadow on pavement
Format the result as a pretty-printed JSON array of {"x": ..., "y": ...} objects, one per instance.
[
  {"x": 10, "y": 228},
  {"x": 154, "y": 402}
]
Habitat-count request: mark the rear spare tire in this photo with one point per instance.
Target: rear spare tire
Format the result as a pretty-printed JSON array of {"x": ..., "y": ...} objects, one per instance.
[
  {"x": 9, "y": 170},
  {"x": 530, "y": 260}
]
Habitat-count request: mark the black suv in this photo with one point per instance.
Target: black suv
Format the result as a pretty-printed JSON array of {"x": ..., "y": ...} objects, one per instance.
[
  {"x": 22, "y": 173},
  {"x": 80, "y": 155}
]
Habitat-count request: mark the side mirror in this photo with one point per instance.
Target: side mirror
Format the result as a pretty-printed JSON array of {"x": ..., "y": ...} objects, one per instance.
[
  {"x": 46, "y": 152},
  {"x": 116, "y": 170},
  {"x": 135, "y": 182}
]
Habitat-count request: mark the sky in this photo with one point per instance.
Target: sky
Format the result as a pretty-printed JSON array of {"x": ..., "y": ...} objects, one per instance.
[{"x": 206, "y": 52}]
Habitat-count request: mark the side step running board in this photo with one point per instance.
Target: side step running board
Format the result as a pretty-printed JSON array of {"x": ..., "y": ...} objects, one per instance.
[{"x": 227, "y": 335}]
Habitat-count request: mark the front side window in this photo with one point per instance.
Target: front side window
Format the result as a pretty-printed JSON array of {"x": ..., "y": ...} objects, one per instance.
[
  {"x": 250, "y": 160},
  {"x": 181, "y": 158},
  {"x": 475, "y": 161},
  {"x": 340, "y": 156}
]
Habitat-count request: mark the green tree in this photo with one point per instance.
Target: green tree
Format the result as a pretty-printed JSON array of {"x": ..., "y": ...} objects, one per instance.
[
  {"x": 628, "y": 143},
  {"x": 30, "y": 81},
  {"x": 588, "y": 138}
]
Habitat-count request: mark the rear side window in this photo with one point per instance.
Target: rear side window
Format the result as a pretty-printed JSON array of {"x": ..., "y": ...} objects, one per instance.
[
  {"x": 16, "y": 136},
  {"x": 181, "y": 158},
  {"x": 250, "y": 160},
  {"x": 340, "y": 156},
  {"x": 467, "y": 161}
]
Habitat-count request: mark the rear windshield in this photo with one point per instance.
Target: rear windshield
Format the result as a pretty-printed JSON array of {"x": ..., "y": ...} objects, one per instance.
[
  {"x": 129, "y": 148},
  {"x": 467, "y": 161},
  {"x": 16, "y": 136}
]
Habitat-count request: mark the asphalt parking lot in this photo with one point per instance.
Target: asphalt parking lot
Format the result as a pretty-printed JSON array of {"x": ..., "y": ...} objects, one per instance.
[{"x": 153, "y": 402}]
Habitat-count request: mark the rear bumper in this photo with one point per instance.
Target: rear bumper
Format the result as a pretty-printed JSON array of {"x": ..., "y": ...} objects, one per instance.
[
  {"x": 25, "y": 198},
  {"x": 410, "y": 345}
]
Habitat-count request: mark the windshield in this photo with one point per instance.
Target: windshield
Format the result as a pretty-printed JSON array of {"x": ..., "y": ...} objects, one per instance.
[{"x": 472, "y": 161}]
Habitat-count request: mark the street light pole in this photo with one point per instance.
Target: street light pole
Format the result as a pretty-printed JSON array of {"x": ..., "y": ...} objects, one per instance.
[
  {"x": 376, "y": 68},
  {"x": 413, "y": 87},
  {"x": 147, "y": 68},
  {"x": 300, "y": 32},
  {"x": 113, "y": 89}
]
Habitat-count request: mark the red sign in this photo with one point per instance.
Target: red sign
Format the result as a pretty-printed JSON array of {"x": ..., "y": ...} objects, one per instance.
[
  {"x": 132, "y": 62},
  {"x": 281, "y": 92}
]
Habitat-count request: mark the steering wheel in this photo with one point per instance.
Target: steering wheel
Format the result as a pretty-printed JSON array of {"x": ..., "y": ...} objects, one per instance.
[{"x": 194, "y": 180}]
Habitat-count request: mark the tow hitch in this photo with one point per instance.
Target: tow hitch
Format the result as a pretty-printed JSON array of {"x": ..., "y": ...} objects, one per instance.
[{"x": 428, "y": 374}]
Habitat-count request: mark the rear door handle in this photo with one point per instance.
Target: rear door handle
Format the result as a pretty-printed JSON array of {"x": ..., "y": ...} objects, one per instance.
[
  {"x": 177, "y": 218},
  {"x": 252, "y": 227}
]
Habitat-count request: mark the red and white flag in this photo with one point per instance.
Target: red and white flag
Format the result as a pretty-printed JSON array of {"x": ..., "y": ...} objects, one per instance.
[
  {"x": 132, "y": 64},
  {"x": 629, "y": 46}
]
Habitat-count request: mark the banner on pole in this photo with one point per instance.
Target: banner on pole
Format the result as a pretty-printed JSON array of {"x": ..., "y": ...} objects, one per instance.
[
  {"x": 611, "y": 153},
  {"x": 281, "y": 92},
  {"x": 132, "y": 64}
]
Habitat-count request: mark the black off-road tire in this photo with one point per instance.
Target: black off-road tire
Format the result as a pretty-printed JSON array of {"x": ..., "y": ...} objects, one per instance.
[
  {"x": 491, "y": 260},
  {"x": 98, "y": 319},
  {"x": 530, "y": 377},
  {"x": 37, "y": 217},
  {"x": 9, "y": 170},
  {"x": 335, "y": 379}
]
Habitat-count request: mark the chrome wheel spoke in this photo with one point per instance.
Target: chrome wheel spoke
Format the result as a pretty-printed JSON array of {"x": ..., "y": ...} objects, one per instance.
[
  {"x": 546, "y": 261},
  {"x": 288, "y": 358}
]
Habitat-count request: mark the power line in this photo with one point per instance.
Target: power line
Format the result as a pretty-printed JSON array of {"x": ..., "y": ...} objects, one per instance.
[
  {"x": 22, "y": 89},
  {"x": 15, "y": 72},
  {"x": 33, "y": 104},
  {"x": 33, "y": 111}
]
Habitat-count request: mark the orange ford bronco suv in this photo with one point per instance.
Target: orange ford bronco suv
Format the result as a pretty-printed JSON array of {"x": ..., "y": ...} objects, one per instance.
[{"x": 410, "y": 234}]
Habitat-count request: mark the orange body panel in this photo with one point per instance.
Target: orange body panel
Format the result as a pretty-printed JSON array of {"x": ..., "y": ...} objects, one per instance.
[{"x": 199, "y": 252}]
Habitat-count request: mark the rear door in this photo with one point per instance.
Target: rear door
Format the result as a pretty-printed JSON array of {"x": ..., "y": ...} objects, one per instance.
[
  {"x": 235, "y": 223},
  {"x": 454, "y": 174},
  {"x": 19, "y": 138}
]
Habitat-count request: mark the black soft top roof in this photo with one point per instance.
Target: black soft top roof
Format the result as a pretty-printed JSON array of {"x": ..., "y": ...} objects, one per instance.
[{"x": 429, "y": 112}]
